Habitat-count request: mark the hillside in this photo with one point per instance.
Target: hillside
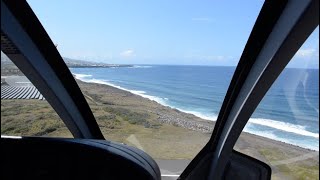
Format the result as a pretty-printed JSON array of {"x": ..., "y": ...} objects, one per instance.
[
  {"x": 8, "y": 68},
  {"x": 81, "y": 63}
]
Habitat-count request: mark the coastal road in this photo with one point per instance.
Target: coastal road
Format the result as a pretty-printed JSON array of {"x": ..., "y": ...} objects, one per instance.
[{"x": 171, "y": 169}]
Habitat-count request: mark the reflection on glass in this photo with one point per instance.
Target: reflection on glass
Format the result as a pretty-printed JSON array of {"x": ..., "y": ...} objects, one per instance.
[{"x": 286, "y": 121}]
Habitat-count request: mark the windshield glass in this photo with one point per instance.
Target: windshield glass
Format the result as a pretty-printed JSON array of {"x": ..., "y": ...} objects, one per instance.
[
  {"x": 288, "y": 119},
  {"x": 154, "y": 73}
]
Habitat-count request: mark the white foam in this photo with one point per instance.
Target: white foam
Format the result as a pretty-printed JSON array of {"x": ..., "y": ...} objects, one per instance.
[
  {"x": 200, "y": 115},
  {"x": 162, "y": 101},
  {"x": 267, "y": 134},
  {"x": 137, "y": 92},
  {"x": 137, "y": 66},
  {"x": 153, "y": 98},
  {"x": 98, "y": 81},
  {"x": 271, "y": 135},
  {"x": 283, "y": 126},
  {"x": 80, "y": 76}
]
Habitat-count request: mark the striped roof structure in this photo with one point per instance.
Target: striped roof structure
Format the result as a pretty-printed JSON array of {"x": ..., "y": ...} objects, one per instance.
[{"x": 20, "y": 92}]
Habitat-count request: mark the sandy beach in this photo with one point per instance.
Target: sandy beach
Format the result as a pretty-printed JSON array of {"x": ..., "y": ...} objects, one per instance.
[{"x": 161, "y": 131}]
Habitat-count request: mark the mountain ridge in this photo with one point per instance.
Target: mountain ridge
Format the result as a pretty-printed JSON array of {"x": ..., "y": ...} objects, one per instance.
[{"x": 71, "y": 63}]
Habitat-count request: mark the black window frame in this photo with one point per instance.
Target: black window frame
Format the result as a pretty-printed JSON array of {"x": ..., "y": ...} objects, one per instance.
[{"x": 33, "y": 52}]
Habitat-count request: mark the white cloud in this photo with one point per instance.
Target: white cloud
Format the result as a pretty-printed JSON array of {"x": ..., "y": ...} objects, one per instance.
[
  {"x": 202, "y": 19},
  {"x": 128, "y": 53},
  {"x": 306, "y": 53}
]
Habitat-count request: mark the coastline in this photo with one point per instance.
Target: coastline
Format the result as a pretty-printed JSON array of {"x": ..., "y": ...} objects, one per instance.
[
  {"x": 161, "y": 131},
  {"x": 193, "y": 122},
  {"x": 191, "y": 133},
  {"x": 176, "y": 117}
]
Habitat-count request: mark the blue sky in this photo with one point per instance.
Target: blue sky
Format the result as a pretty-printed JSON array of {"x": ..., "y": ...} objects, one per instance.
[{"x": 157, "y": 32}]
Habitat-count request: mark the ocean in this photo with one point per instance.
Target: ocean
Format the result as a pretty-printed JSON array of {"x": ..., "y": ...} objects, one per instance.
[{"x": 288, "y": 113}]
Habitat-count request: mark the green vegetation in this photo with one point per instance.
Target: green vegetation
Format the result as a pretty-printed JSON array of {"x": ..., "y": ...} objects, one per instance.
[
  {"x": 305, "y": 169},
  {"x": 131, "y": 117},
  {"x": 30, "y": 118}
]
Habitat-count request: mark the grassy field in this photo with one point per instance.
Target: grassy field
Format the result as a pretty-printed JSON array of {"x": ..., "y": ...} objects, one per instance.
[
  {"x": 163, "y": 141},
  {"x": 306, "y": 169},
  {"x": 133, "y": 120}
]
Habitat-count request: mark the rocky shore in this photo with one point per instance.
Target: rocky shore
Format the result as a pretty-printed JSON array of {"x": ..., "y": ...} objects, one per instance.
[{"x": 185, "y": 122}]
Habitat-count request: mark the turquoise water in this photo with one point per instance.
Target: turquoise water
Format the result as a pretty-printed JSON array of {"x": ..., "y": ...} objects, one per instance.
[{"x": 288, "y": 113}]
